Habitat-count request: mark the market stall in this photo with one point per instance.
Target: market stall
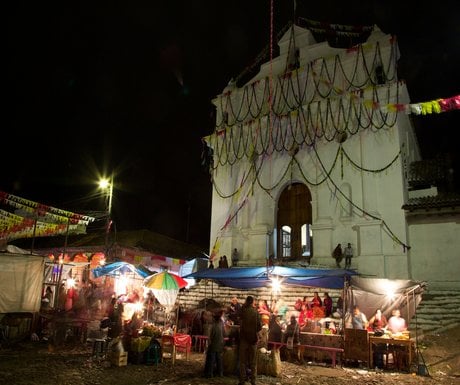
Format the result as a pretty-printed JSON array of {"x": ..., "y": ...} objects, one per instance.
[
  {"x": 369, "y": 293},
  {"x": 124, "y": 281}
]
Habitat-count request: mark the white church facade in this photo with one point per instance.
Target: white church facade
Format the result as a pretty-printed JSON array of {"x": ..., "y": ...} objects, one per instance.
[{"x": 314, "y": 151}]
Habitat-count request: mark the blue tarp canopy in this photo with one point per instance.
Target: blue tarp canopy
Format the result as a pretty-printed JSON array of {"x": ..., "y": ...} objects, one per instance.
[
  {"x": 253, "y": 277},
  {"x": 116, "y": 269}
]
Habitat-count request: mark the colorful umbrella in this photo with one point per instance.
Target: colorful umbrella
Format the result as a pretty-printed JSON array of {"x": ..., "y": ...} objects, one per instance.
[
  {"x": 165, "y": 281},
  {"x": 165, "y": 287}
]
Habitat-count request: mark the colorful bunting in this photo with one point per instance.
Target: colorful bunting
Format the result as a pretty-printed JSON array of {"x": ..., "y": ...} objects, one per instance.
[{"x": 32, "y": 219}]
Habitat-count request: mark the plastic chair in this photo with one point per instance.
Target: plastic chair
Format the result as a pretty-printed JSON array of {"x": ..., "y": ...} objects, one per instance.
[{"x": 168, "y": 348}]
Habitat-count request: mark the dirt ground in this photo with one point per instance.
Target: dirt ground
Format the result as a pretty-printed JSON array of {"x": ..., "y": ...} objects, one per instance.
[{"x": 31, "y": 362}]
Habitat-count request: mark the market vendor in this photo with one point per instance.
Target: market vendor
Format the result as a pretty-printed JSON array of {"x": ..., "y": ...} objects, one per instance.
[
  {"x": 359, "y": 319},
  {"x": 396, "y": 324},
  {"x": 135, "y": 324},
  {"x": 305, "y": 315},
  {"x": 378, "y": 321},
  {"x": 264, "y": 311}
]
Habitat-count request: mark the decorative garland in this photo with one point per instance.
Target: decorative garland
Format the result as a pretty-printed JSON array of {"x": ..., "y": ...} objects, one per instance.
[
  {"x": 15, "y": 227},
  {"x": 292, "y": 90},
  {"x": 52, "y": 221},
  {"x": 436, "y": 106},
  {"x": 256, "y": 171},
  {"x": 44, "y": 210},
  {"x": 362, "y": 211},
  {"x": 323, "y": 119}
]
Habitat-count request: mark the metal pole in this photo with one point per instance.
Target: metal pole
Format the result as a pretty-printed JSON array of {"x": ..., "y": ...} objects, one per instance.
[
  {"x": 33, "y": 235},
  {"x": 58, "y": 286},
  {"x": 109, "y": 220}
]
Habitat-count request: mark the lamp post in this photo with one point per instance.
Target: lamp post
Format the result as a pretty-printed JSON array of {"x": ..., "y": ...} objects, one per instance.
[{"x": 107, "y": 186}]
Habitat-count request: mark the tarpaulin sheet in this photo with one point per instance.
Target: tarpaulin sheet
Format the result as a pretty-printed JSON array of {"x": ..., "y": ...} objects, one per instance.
[{"x": 21, "y": 280}]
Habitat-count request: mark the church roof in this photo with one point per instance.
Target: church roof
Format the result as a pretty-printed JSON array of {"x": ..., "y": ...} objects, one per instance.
[
  {"x": 449, "y": 201},
  {"x": 145, "y": 240}
]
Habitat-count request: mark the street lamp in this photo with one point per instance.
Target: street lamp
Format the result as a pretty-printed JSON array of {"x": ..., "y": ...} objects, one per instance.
[{"x": 107, "y": 186}]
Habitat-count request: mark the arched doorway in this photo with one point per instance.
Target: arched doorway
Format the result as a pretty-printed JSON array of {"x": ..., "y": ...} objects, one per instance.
[{"x": 294, "y": 219}]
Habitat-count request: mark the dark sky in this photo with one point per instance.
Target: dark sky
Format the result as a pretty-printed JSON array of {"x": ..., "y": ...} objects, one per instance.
[{"x": 100, "y": 87}]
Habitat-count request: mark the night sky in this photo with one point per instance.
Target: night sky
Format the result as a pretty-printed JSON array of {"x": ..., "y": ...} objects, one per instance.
[{"x": 101, "y": 87}]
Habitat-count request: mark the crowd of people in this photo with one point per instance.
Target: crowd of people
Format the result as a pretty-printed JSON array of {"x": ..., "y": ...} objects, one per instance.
[{"x": 254, "y": 316}]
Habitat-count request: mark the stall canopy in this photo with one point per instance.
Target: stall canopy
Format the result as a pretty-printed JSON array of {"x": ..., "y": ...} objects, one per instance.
[
  {"x": 192, "y": 266},
  {"x": 371, "y": 294},
  {"x": 254, "y": 277},
  {"x": 116, "y": 269}
]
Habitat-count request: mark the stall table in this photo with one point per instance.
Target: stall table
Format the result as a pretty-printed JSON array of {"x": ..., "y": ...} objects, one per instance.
[
  {"x": 320, "y": 347},
  {"x": 407, "y": 345}
]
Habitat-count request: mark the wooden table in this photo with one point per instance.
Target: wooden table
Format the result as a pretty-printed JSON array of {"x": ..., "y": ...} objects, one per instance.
[
  {"x": 321, "y": 346},
  {"x": 406, "y": 343}
]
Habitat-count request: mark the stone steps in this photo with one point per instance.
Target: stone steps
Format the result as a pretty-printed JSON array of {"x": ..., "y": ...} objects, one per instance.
[
  {"x": 437, "y": 312},
  {"x": 222, "y": 294}
]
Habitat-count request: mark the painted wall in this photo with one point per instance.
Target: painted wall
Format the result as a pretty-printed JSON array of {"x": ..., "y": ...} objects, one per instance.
[{"x": 435, "y": 255}]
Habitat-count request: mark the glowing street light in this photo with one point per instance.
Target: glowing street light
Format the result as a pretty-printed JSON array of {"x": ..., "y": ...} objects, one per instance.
[{"x": 107, "y": 186}]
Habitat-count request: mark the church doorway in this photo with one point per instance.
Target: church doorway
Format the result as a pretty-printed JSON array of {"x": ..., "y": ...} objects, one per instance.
[{"x": 294, "y": 220}]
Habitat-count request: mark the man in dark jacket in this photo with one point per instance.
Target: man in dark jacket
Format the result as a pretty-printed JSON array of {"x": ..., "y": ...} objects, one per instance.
[
  {"x": 250, "y": 325},
  {"x": 214, "y": 365}
]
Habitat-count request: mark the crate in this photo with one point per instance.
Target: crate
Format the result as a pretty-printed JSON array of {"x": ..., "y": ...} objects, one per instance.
[{"x": 119, "y": 358}]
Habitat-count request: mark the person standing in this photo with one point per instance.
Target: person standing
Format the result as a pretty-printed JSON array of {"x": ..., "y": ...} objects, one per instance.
[
  {"x": 250, "y": 326},
  {"x": 292, "y": 330},
  {"x": 224, "y": 262},
  {"x": 234, "y": 311},
  {"x": 338, "y": 255},
  {"x": 327, "y": 302},
  {"x": 339, "y": 307},
  {"x": 235, "y": 257},
  {"x": 348, "y": 252},
  {"x": 47, "y": 299},
  {"x": 215, "y": 347}
]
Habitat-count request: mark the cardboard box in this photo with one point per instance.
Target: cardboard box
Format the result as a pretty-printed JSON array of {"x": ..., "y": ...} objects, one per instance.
[{"x": 119, "y": 358}]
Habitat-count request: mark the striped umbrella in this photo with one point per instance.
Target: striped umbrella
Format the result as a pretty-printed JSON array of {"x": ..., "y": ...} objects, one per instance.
[{"x": 165, "y": 287}]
